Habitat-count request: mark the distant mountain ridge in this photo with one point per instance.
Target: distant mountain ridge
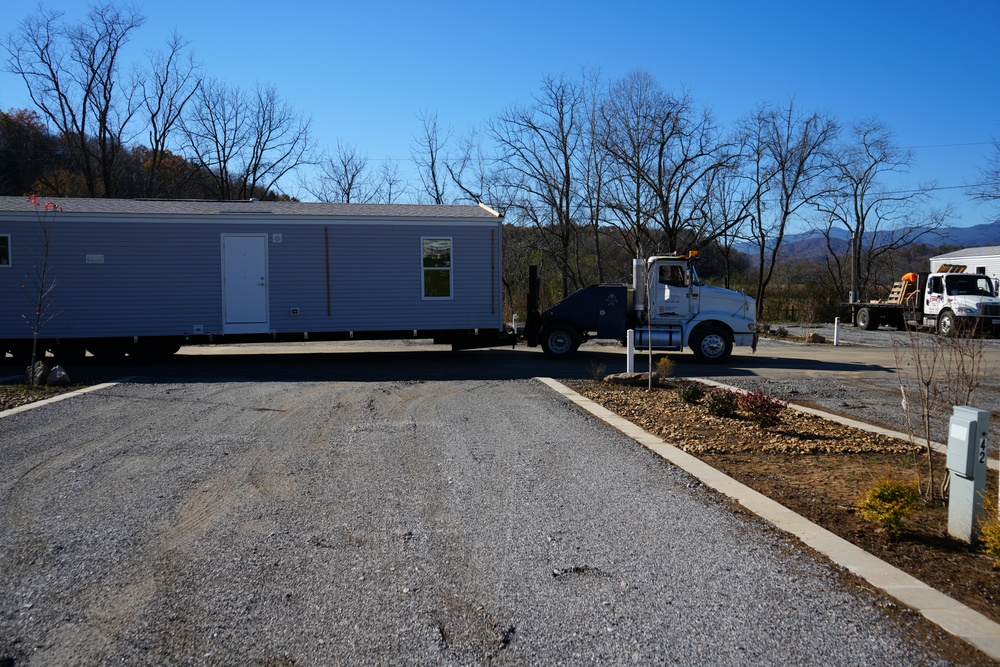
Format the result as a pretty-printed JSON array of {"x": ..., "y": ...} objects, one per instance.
[{"x": 812, "y": 245}]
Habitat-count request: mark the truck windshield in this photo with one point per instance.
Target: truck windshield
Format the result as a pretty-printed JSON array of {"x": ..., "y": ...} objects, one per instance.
[{"x": 968, "y": 284}]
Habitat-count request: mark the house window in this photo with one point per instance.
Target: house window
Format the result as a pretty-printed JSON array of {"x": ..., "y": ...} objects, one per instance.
[
  {"x": 436, "y": 268},
  {"x": 4, "y": 250},
  {"x": 980, "y": 269}
]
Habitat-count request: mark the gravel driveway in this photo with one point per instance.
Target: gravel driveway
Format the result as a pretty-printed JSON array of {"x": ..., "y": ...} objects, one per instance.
[{"x": 321, "y": 523}]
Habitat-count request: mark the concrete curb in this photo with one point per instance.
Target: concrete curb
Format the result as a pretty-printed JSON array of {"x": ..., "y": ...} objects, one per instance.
[
  {"x": 55, "y": 399},
  {"x": 950, "y": 615}
]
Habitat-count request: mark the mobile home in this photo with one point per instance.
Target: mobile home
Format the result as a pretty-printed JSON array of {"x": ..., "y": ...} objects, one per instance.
[{"x": 143, "y": 277}]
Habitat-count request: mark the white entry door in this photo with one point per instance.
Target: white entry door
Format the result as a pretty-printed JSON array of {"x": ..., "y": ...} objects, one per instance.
[{"x": 244, "y": 274}]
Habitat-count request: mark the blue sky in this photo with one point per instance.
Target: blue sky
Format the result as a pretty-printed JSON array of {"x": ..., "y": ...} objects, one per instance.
[{"x": 364, "y": 71}]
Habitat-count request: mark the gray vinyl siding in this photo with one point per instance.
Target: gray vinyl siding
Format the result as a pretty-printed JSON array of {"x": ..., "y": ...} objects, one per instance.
[
  {"x": 376, "y": 280},
  {"x": 155, "y": 280},
  {"x": 163, "y": 275}
]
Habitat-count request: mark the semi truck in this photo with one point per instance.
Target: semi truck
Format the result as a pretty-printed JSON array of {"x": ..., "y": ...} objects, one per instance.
[
  {"x": 667, "y": 306},
  {"x": 949, "y": 301}
]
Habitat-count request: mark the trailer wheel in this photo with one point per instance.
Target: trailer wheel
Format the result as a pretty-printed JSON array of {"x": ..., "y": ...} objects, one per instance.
[
  {"x": 559, "y": 341},
  {"x": 865, "y": 321},
  {"x": 711, "y": 344},
  {"x": 946, "y": 323}
]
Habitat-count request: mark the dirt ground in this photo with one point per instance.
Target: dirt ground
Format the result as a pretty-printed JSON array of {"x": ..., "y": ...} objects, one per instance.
[{"x": 820, "y": 469}]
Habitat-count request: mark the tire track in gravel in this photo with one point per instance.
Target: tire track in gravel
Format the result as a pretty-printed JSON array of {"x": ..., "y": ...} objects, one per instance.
[{"x": 250, "y": 470}]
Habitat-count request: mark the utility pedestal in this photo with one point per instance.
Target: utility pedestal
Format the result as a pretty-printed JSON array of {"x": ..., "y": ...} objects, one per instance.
[{"x": 967, "y": 433}]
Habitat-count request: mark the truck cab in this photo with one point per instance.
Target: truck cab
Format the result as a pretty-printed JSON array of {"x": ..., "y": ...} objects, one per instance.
[
  {"x": 682, "y": 311},
  {"x": 960, "y": 301}
]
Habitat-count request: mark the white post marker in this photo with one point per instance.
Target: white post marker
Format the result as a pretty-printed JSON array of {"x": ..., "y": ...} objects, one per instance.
[
  {"x": 630, "y": 346},
  {"x": 836, "y": 331}
]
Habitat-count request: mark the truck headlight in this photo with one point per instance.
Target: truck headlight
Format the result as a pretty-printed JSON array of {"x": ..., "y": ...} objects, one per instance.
[{"x": 966, "y": 310}]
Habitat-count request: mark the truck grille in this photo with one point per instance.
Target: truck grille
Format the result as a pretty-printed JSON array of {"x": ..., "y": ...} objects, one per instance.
[{"x": 990, "y": 310}]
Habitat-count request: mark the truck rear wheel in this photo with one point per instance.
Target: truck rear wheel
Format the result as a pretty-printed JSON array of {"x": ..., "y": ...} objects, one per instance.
[
  {"x": 559, "y": 341},
  {"x": 865, "y": 321},
  {"x": 711, "y": 344}
]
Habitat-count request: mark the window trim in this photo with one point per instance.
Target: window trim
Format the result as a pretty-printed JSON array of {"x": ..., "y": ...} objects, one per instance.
[
  {"x": 10, "y": 252},
  {"x": 450, "y": 269}
]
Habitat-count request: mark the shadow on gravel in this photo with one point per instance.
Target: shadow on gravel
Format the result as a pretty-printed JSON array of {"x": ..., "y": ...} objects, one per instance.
[{"x": 419, "y": 365}]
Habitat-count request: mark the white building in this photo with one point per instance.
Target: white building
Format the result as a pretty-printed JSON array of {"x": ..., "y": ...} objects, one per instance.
[{"x": 985, "y": 259}]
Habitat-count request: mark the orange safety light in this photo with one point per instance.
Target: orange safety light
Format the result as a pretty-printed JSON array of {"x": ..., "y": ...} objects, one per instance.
[{"x": 910, "y": 277}]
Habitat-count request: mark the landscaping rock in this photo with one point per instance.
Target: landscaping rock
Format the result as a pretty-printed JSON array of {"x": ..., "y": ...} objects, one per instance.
[
  {"x": 57, "y": 377},
  {"x": 632, "y": 379},
  {"x": 37, "y": 374},
  {"x": 814, "y": 337}
]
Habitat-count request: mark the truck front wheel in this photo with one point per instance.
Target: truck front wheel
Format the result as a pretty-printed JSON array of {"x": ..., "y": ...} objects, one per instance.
[
  {"x": 946, "y": 323},
  {"x": 559, "y": 341},
  {"x": 711, "y": 344},
  {"x": 865, "y": 321}
]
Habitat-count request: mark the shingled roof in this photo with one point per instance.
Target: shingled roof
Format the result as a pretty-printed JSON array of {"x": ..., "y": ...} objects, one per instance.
[
  {"x": 251, "y": 207},
  {"x": 983, "y": 251}
]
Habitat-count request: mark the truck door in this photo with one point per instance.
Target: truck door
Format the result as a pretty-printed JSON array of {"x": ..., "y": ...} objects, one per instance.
[
  {"x": 934, "y": 297},
  {"x": 670, "y": 292}
]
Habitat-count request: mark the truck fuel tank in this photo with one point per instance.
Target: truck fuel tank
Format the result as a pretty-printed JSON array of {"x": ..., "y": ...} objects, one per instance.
[{"x": 599, "y": 308}]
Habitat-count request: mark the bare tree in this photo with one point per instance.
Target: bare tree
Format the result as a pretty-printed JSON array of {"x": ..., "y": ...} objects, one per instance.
[
  {"x": 72, "y": 74},
  {"x": 281, "y": 141},
  {"x": 625, "y": 135},
  {"x": 879, "y": 218},
  {"x": 785, "y": 161},
  {"x": 668, "y": 154},
  {"x": 729, "y": 204},
  {"x": 392, "y": 187},
  {"x": 538, "y": 152},
  {"x": 344, "y": 177},
  {"x": 217, "y": 133},
  {"x": 988, "y": 188},
  {"x": 347, "y": 176},
  {"x": 594, "y": 168},
  {"x": 427, "y": 155},
  {"x": 477, "y": 175},
  {"x": 172, "y": 80},
  {"x": 247, "y": 143}
]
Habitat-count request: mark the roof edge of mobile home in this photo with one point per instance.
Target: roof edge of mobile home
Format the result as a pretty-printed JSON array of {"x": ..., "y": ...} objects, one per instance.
[{"x": 253, "y": 207}]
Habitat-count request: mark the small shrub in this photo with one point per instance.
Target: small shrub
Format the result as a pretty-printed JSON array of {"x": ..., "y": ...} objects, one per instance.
[
  {"x": 887, "y": 503},
  {"x": 665, "y": 367},
  {"x": 596, "y": 371},
  {"x": 689, "y": 391},
  {"x": 781, "y": 332},
  {"x": 989, "y": 539},
  {"x": 722, "y": 402},
  {"x": 763, "y": 328},
  {"x": 761, "y": 409}
]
